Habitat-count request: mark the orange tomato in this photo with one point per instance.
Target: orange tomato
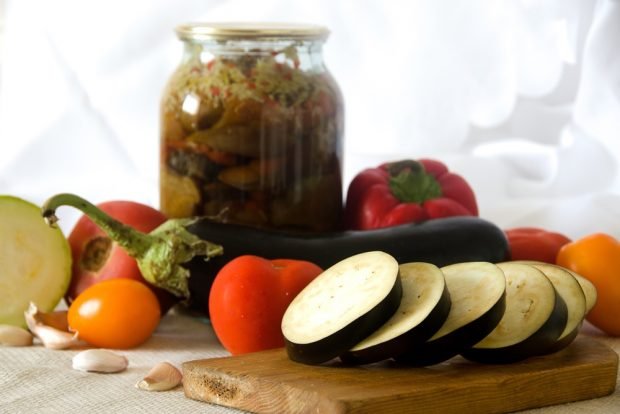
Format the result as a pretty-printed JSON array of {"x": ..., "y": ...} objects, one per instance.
[
  {"x": 597, "y": 258},
  {"x": 115, "y": 313}
]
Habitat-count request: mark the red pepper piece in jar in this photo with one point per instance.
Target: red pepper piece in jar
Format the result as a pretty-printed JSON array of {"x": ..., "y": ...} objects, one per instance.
[
  {"x": 532, "y": 243},
  {"x": 404, "y": 192}
]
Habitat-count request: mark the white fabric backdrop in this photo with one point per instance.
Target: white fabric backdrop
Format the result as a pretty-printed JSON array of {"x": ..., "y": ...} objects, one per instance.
[{"x": 521, "y": 97}]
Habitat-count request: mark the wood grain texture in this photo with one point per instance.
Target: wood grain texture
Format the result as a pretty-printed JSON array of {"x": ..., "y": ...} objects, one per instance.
[{"x": 268, "y": 382}]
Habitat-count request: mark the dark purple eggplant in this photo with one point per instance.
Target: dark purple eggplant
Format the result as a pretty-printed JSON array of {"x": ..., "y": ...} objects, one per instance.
[
  {"x": 183, "y": 256},
  {"x": 440, "y": 242}
]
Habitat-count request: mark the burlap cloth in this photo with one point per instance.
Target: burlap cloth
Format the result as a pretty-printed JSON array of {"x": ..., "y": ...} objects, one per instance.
[{"x": 38, "y": 380}]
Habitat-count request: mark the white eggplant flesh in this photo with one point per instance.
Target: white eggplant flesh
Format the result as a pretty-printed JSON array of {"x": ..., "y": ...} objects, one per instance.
[
  {"x": 534, "y": 318},
  {"x": 574, "y": 297},
  {"x": 342, "y": 306},
  {"x": 589, "y": 290},
  {"x": 423, "y": 310},
  {"x": 478, "y": 299}
]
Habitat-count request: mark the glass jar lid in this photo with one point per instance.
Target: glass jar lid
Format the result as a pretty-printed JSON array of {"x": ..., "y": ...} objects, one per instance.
[{"x": 248, "y": 30}]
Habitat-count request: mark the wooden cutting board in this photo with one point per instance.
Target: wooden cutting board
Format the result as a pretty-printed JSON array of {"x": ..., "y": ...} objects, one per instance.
[{"x": 268, "y": 382}]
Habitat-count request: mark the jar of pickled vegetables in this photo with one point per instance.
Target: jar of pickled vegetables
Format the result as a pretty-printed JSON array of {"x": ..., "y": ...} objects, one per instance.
[{"x": 252, "y": 128}]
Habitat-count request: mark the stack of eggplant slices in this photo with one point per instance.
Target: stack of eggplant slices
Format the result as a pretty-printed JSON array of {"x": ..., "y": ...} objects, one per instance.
[{"x": 368, "y": 308}]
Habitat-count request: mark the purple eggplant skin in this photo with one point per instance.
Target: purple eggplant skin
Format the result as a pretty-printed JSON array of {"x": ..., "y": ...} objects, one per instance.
[
  {"x": 337, "y": 343},
  {"x": 563, "y": 342},
  {"x": 450, "y": 345},
  {"x": 540, "y": 342},
  {"x": 441, "y": 242}
]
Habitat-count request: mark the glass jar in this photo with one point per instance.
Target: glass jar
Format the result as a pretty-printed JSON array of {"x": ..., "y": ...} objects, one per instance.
[{"x": 252, "y": 128}]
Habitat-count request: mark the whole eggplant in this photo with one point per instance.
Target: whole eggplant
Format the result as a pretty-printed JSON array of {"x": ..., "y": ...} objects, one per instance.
[
  {"x": 184, "y": 255},
  {"x": 440, "y": 242}
]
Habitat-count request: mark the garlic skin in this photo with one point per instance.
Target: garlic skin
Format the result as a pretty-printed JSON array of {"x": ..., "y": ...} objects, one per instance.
[
  {"x": 53, "y": 338},
  {"x": 14, "y": 336},
  {"x": 99, "y": 360},
  {"x": 162, "y": 377},
  {"x": 56, "y": 319},
  {"x": 47, "y": 327}
]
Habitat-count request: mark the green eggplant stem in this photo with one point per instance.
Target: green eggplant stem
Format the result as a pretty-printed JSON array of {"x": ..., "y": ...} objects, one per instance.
[
  {"x": 160, "y": 254},
  {"x": 134, "y": 242}
]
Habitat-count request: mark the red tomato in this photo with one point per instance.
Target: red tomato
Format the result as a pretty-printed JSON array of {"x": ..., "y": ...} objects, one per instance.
[
  {"x": 531, "y": 243},
  {"x": 116, "y": 313},
  {"x": 249, "y": 297},
  {"x": 96, "y": 257}
]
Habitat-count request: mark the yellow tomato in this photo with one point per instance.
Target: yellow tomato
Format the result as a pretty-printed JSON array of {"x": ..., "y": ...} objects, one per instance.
[
  {"x": 117, "y": 314},
  {"x": 597, "y": 258}
]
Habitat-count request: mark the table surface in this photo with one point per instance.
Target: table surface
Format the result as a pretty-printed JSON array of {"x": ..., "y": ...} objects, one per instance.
[{"x": 36, "y": 379}]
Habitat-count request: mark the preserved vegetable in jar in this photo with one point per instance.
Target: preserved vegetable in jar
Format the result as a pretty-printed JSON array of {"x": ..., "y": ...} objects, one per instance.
[{"x": 252, "y": 128}]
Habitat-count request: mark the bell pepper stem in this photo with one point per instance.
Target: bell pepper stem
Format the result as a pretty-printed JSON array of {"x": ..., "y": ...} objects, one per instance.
[
  {"x": 410, "y": 183},
  {"x": 160, "y": 254}
]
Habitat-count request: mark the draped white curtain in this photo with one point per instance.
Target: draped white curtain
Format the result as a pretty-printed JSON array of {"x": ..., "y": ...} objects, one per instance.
[{"x": 522, "y": 97}]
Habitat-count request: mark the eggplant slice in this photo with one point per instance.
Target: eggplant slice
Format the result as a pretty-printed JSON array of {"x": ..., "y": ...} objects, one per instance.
[
  {"x": 423, "y": 310},
  {"x": 534, "y": 318},
  {"x": 589, "y": 290},
  {"x": 478, "y": 300},
  {"x": 343, "y": 305},
  {"x": 573, "y": 295}
]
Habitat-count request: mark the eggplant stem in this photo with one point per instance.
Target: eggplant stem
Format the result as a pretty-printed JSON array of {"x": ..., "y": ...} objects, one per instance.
[
  {"x": 134, "y": 242},
  {"x": 160, "y": 254}
]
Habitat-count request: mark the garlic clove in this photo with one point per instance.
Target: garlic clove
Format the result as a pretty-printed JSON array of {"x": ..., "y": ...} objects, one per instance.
[
  {"x": 14, "y": 336},
  {"x": 54, "y": 339},
  {"x": 162, "y": 377},
  {"x": 50, "y": 335},
  {"x": 99, "y": 360}
]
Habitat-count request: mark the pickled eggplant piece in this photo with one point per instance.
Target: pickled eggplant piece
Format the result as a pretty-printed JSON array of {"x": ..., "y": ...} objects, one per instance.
[
  {"x": 179, "y": 195},
  {"x": 237, "y": 139},
  {"x": 314, "y": 204},
  {"x": 243, "y": 177},
  {"x": 172, "y": 128},
  {"x": 192, "y": 164},
  {"x": 198, "y": 112},
  {"x": 240, "y": 112}
]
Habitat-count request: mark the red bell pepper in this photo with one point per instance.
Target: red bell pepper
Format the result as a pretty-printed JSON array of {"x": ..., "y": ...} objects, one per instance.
[{"x": 406, "y": 191}]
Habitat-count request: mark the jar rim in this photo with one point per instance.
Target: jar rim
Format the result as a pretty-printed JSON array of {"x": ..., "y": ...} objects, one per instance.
[{"x": 251, "y": 31}]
